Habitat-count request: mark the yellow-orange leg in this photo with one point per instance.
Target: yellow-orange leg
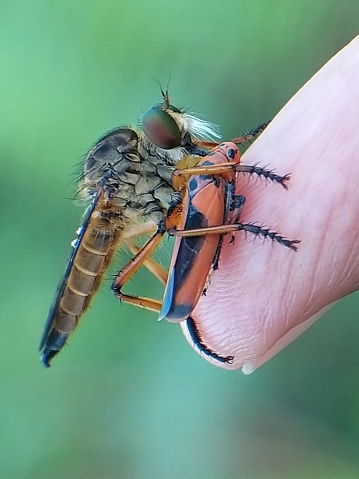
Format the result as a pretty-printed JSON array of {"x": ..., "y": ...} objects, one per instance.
[
  {"x": 231, "y": 228},
  {"x": 230, "y": 166},
  {"x": 153, "y": 267},
  {"x": 218, "y": 169},
  {"x": 142, "y": 257},
  {"x": 147, "y": 229}
]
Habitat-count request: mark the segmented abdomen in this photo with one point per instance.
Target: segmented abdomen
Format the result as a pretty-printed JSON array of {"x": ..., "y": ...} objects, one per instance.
[
  {"x": 94, "y": 248},
  {"x": 94, "y": 254}
]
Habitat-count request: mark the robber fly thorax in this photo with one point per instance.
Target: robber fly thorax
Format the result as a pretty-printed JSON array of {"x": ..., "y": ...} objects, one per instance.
[{"x": 127, "y": 178}]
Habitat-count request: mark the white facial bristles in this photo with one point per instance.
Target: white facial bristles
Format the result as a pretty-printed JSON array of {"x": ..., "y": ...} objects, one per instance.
[{"x": 201, "y": 129}]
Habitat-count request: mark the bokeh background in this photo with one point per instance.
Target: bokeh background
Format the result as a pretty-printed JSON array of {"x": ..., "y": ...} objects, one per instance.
[{"x": 128, "y": 398}]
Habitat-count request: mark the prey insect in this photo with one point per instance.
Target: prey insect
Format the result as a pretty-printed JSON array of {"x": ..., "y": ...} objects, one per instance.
[
  {"x": 131, "y": 179},
  {"x": 209, "y": 208}
]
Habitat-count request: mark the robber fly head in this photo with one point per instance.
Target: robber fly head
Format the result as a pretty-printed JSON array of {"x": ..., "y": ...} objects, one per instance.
[{"x": 168, "y": 127}]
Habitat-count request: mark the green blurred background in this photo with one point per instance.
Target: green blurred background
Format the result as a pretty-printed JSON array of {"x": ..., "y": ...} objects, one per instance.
[{"x": 128, "y": 398}]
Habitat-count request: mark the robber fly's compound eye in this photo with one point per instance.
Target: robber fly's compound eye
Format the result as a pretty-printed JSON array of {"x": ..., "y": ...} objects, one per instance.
[{"x": 161, "y": 128}]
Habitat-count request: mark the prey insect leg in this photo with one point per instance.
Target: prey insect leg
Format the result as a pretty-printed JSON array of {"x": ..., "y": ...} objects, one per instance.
[{"x": 196, "y": 337}]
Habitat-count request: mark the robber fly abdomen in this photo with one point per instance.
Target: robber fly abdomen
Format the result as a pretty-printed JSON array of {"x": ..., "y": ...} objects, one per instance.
[{"x": 90, "y": 258}]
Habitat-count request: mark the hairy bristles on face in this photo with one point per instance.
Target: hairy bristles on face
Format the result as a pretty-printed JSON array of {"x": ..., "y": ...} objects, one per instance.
[{"x": 200, "y": 129}]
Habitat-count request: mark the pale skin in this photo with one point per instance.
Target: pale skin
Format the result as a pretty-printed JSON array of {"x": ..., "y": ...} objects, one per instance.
[{"x": 264, "y": 295}]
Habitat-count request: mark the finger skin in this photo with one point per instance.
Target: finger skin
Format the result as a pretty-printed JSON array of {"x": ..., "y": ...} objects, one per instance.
[{"x": 263, "y": 294}]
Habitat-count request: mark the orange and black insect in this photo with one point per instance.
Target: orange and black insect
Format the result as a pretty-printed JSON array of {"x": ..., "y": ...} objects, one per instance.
[
  {"x": 210, "y": 208},
  {"x": 131, "y": 181}
]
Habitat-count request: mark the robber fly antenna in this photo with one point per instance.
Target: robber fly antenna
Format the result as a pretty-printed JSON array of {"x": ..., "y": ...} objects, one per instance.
[
  {"x": 168, "y": 84},
  {"x": 166, "y": 100}
]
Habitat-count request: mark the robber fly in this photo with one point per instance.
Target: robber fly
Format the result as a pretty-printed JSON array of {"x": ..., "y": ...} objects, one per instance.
[
  {"x": 130, "y": 179},
  {"x": 127, "y": 179}
]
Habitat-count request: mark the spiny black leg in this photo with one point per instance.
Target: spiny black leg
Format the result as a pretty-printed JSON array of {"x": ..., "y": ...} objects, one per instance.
[
  {"x": 268, "y": 174},
  {"x": 258, "y": 130},
  {"x": 197, "y": 340},
  {"x": 267, "y": 233},
  {"x": 250, "y": 135}
]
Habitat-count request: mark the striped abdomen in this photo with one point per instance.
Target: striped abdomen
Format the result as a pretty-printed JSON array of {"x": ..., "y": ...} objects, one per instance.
[{"x": 98, "y": 238}]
